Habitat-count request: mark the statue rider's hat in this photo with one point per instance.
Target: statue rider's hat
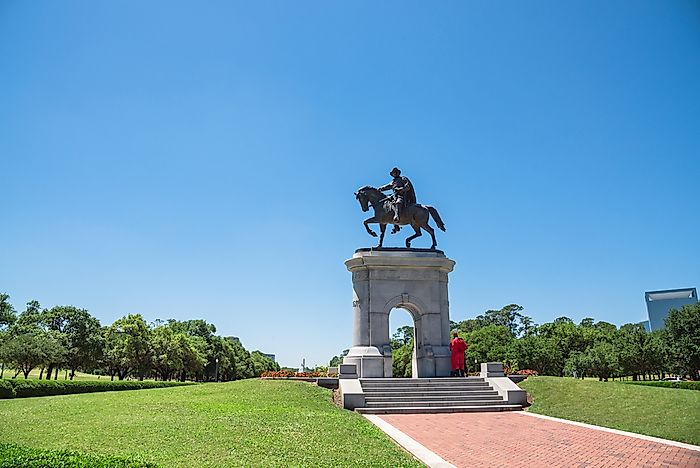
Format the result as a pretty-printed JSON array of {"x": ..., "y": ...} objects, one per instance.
[{"x": 395, "y": 172}]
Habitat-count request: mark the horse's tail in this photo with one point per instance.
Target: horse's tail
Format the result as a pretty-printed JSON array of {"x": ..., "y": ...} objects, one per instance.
[{"x": 436, "y": 216}]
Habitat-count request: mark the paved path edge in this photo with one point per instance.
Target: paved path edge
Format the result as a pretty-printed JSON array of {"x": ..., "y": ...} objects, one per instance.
[
  {"x": 419, "y": 451},
  {"x": 614, "y": 431}
]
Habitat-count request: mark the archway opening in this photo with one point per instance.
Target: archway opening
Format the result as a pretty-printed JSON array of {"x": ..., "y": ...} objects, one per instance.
[{"x": 402, "y": 336}]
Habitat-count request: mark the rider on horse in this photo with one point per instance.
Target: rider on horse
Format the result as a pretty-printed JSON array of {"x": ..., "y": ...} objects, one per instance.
[{"x": 404, "y": 195}]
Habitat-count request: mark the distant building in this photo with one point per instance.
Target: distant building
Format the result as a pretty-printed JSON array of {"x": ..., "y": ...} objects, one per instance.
[
  {"x": 269, "y": 356},
  {"x": 646, "y": 325},
  {"x": 659, "y": 303}
]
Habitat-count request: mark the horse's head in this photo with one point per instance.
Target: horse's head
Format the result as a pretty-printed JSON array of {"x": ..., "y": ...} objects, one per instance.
[{"x": 361, "y": 196}]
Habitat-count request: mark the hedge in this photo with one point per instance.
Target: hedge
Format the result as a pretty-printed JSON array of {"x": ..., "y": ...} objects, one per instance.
[
  {"x": 16, "y": 456},
  {"x": 31, "y": 388},
  {"x": 687, "y": 385},
  {"x": 6, "y": 389}
]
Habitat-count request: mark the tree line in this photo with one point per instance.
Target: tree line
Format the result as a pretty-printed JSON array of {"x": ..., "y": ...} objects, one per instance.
[
  {"x": 564, "y": 348},
  {"x": 71, "y": 339}
]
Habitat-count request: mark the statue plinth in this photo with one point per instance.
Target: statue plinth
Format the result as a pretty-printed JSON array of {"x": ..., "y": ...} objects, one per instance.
[{"x": 411, "y": 279}]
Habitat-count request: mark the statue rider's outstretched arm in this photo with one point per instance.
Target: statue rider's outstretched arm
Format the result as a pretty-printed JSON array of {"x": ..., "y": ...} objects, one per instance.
[{"x": 386, "y": 187}]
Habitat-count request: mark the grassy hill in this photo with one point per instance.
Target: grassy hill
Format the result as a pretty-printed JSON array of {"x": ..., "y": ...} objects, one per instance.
[
  {"x": 669, "y": 413},
  {"x": 250, "y": 422}
]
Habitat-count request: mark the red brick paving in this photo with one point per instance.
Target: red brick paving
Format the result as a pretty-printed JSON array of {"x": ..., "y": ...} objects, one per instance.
[{"x": 511, "y": 439}]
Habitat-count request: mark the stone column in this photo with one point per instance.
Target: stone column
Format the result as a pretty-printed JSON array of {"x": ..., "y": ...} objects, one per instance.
[{"x": 413, "y": 279}]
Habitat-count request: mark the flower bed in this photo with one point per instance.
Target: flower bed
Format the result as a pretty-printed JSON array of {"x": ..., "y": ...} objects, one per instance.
[{"x": 285, "y": 374}]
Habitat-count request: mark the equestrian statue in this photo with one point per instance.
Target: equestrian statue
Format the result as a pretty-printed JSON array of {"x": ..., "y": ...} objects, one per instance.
[{"x": 398, "y": 209}]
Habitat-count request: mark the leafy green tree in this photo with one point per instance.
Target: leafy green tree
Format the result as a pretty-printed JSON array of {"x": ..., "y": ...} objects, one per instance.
[
  {"x": 128, "y": 346},
  {"x": 28, "y": 321},
  {"x": 489, "y": 344},
  {"x": 166, "y": 353},
  {"x": 602, "y": 360},
  {"x": 510, "y": 317},
  {"x": 577, "y": 365},
  {"x": 402, "y": 336},
  {"x": 26, "y": 351},
  {"x": 80, "y": 334},
  {"x": 683, "y": 338},
  {"x": 7, "y": 318},
  {"x": 402, "y": 360},
  {"x": 244, "y": 368},
  {"x": 205, "y": 341},
  {"x": 538, "y": 352},
  {"x": 638, "y": 351},
  {"x": 262, "y": 363},
  {"x": 193, "y": 351},
  {"x": 7, "y": 312},
  {"x": 338, "y": 360}
]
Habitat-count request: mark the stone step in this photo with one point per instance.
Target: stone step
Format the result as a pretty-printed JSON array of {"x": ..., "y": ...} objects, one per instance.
[
  {"x": 483, "y": 388},
  {"x": 422, "y": 382},
  {"x": 419, "y": 403},
  {"x": 370, "y": 383},
  {"x": 445, "y": 381},
  {"x": 449, "y": 394},
  {"x": 438, "y": 409},
  {"x": 369, "y": 398},
  {"x": 422, "y": 379}
]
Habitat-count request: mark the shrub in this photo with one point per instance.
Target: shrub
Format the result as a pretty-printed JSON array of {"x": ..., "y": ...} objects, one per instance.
[
  {"x": 6, "y": 389},
  {"x": 527, "y": 372},
  {"x": 32, "y": 388},
  {"x": 14, "y": 456},
  {"x": 661, "y": 383}
]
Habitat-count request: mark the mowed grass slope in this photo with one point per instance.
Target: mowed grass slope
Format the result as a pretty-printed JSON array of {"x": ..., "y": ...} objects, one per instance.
[
  {"x": 244, "y": 423},
  {"x": 668, "y": 413}
]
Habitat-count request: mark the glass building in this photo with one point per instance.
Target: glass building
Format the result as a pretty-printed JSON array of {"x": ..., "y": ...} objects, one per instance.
[{"x": 659, "y": 303}]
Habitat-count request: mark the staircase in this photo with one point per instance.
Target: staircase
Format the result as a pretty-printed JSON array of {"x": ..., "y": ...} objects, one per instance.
[{"x": 434, "y": 395}]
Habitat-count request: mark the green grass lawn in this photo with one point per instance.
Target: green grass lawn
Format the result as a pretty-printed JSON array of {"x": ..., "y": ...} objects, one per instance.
[
  {"x": 249, "y": 422},
  {"x": 669, "y": 413}
]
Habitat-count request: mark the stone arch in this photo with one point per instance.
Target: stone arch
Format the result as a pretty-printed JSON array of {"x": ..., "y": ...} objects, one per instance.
[{"x": 412, "y": 280}]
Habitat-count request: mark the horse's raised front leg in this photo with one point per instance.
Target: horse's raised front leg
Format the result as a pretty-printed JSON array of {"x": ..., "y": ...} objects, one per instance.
[
  {"x": 369, "y": 231},
  {"x": 382, "y": 231},
  {"x": 417, "y": 234}
]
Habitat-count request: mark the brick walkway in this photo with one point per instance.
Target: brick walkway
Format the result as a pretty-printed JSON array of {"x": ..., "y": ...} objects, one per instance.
[{"x": 512, "y": 439}]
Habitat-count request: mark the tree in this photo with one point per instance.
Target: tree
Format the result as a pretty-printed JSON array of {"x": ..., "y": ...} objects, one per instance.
[
  {"x": 402, "y": 336},
  {"x": 402, "y": 360},
  {"x": 577, "y": 365},
  {"x": 538, "y": 352},
  {"x": 128, "y": 346},
  {"x": 7, "y": 318},
  {"x": 26, "y": 351},
  {"x": 244, "y": 368},
  {"x": 80, "y": 333},
  {"x": 166, "y": 352},
  {"x": 7, "y": 312},
  {"x": 262, "y": 363},
  {"x": 488, "y": 344},
  {"x": 683, "y": 338},
  {"x": 602, "y": 360},
  {"x": 510, "y": 317},
  {"x": 338, "y": 360}
]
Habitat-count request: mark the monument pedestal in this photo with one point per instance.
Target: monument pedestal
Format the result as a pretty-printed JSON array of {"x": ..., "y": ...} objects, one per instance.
[{"x": 411, "y": 279}]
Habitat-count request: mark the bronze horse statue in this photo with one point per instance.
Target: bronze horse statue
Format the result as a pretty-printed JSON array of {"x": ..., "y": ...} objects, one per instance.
[{"x": 415, "y": 215}]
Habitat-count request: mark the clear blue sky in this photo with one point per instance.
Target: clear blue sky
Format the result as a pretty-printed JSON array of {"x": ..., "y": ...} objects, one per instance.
[{"x": 198, "y": 160}]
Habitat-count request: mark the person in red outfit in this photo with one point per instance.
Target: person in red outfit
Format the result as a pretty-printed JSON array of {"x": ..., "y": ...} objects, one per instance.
[{"x": 458, "y": 346}]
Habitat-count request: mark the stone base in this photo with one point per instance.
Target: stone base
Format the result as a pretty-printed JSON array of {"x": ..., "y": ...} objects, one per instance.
[
  {"x": 491, "y": 369},
  {"x": 368, "y": 361},
  {"x": 410, "y": 279}
]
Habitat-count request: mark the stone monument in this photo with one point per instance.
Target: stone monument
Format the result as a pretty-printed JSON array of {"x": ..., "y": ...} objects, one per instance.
[
  {"x": 388, "y": 278},
  {"x": 411, "y": 279}
]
